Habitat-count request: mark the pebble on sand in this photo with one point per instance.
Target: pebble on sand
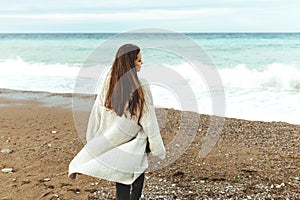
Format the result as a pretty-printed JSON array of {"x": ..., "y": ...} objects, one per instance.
[
  {"x": 6, "y": 151},
  {"x": 7, "y": 170},
  {"x": 46, "y": 179}
]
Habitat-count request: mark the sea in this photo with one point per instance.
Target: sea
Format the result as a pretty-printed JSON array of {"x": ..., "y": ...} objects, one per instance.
[{"x": 259, "y": 72}]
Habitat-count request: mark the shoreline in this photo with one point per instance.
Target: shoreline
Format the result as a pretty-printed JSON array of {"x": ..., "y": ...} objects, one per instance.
[
  {"x": 251, "y": 158},
  {"x": 65, "y": 101}
]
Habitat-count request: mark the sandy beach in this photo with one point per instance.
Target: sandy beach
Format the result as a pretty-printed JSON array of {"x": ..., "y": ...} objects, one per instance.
[{"x": 38, "y": 139}]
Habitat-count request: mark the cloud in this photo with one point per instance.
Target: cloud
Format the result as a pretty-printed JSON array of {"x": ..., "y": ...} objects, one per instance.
[
  {"x": 114, "y": 15},
  {"x": 139, "y": 15}
]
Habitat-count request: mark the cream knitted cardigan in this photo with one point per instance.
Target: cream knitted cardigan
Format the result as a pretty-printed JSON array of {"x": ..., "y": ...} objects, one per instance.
[{"x": 115, "y": 148}]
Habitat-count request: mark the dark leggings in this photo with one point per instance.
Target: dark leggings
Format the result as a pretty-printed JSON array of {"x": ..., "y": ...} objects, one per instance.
[{"x": 123, "y": 191}]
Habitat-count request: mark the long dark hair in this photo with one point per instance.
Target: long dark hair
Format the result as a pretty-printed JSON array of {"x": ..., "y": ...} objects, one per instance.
[{"x": 125, "y": 92}]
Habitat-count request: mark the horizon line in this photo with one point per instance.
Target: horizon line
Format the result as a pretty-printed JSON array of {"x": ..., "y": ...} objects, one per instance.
[{"x": 184, "y": 32}]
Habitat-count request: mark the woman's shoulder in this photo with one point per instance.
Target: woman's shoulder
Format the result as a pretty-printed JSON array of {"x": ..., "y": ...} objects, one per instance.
[
  {"x": 145, "y": 85},
  {"x": 104, "y": 86},
  {"x": 146, "y": 89}
]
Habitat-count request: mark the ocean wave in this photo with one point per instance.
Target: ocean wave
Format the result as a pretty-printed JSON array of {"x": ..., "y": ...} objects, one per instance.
[
  {"x": 18, "y": 74},
  {"x": 274, "y": 76},
  {"x": 19, "y": 67},
  {"x": 277, "y": 97}
]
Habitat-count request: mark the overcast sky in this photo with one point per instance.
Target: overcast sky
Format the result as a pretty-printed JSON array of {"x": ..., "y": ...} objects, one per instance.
[{"x": 126, "y": 15}]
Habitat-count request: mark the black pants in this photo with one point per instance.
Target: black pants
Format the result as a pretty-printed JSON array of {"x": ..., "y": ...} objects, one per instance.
[{"x": 123, "y": 191}]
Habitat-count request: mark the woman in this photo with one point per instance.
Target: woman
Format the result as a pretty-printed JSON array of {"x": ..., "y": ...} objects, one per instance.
[{"x": 121, "y": 125}]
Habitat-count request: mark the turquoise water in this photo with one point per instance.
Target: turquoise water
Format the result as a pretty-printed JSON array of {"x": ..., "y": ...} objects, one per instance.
[
  {"x": 256, "y": 49},
  {"x": 226, "y": 49},
  {"x": 260, "y": 71}
]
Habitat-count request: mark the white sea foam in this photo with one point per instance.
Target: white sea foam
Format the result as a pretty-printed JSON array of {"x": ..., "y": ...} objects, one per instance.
[
  {"x": 11, "y": 67},
  {"x": 275, "y": 76},
  {"x": 272, "y": 94},
  {"x": 20, "y": 75}
]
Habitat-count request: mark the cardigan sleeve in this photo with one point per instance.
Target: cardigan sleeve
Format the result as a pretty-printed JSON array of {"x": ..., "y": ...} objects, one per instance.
[
  {"x": 150, "y": 126},
  {"x": 95, "y": 115},
  {"x": 94, "y": 120}
]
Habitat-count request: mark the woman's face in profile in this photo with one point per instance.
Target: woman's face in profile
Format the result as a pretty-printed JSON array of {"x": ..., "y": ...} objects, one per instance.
[{"x": 138, "y": 62}]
